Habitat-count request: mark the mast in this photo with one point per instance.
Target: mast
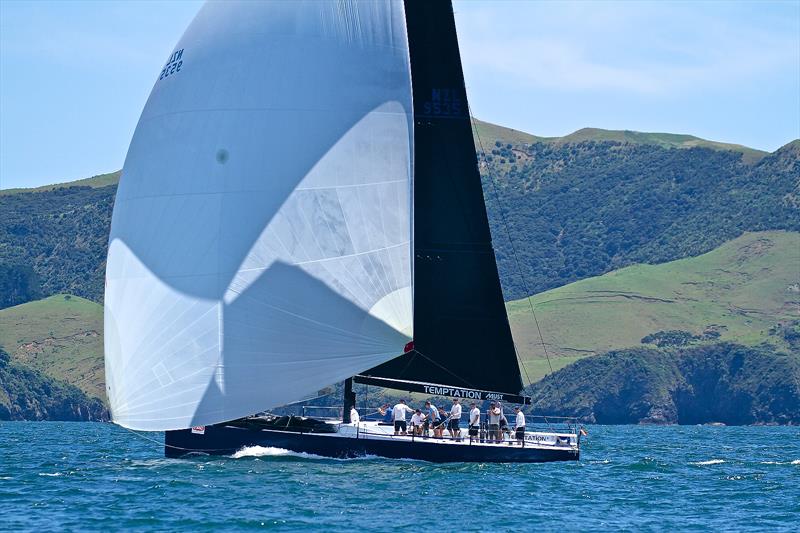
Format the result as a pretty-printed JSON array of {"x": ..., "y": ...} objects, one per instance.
[
  {"x": 461, "y": 332},
  {"x": 349, "y": 400}
]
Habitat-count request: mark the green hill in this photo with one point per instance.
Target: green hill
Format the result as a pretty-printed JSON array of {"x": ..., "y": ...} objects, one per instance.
[
  {"x": 95, "y": 182},
  {"x": 60, "y": 233},
  {"x": 721, "y": 383},
  {"x": 486, "y": 134},
  {"x": 738, "y": 292},
  {"x": 665, "y": 140},
  {"x": 61, "y": 337},
  {"x": 27, "y": 394},
  {"x": 575, "y": 211}
]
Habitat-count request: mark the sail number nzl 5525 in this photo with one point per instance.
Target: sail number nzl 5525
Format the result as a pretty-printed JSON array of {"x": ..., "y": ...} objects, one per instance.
[{"x": 173, "y": 66}]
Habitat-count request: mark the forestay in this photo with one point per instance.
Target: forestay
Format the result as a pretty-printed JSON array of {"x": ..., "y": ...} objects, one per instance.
[{"x": 260, "y": 244}]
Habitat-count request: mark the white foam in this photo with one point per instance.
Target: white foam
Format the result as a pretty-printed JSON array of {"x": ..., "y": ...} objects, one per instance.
[
  {"x": 710, "y": 462},
  {"x": 50, "y": 475},
  {"x": 270, "y": 451},
  {"x": 795, "y": 462}
]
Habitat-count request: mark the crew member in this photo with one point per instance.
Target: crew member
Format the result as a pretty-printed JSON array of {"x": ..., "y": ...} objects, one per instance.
[
  {"x": 439, "y": 427},
  {"x": 503, "y": 423},
  {"x": 354, "y": 418},
  {"x": 474, "y": 420},
  {"x": 399, "y": 413},
  {"x": 385, "y": 411},
  {"x": 431, "y": 418},
  {"x": 493, "y": 417},
  {"x": 417, "y": 421},
  {"x": 455, "y": 420},
  {"x": 519, "y": 425}
]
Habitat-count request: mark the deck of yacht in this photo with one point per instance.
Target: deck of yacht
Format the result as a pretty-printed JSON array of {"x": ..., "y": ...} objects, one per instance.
[{"x": 533, "y": 439}]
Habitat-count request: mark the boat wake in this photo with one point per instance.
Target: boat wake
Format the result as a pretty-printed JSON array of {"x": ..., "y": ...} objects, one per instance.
[{"x": 270, "y": 451}]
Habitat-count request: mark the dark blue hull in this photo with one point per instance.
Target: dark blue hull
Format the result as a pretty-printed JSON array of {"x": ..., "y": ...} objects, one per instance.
[{"x": 226, "y": 440}]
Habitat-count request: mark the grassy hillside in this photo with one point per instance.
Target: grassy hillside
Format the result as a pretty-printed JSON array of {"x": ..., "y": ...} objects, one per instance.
[
  {"x": 486, "y": 134},
  {"x": 59, "y": 336},
  {"x": 740, "y": 290},
  {"x": 666, "y": 140},
  {"x": 95, "y": 182},
  {"x": 575, "y": 211}
]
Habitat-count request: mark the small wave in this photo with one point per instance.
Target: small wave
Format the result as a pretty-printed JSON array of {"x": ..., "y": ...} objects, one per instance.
[
  {"x": 710, "y": 462},
  {"x": 795, "y": 462},
  {"x": 51, "y": 475}
]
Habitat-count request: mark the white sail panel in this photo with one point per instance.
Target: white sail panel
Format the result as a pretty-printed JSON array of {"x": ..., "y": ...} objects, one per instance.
[{"x": 260, "y": 245}]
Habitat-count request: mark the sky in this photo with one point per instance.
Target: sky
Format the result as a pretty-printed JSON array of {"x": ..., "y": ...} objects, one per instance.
[{"x": 74, "y": 76}]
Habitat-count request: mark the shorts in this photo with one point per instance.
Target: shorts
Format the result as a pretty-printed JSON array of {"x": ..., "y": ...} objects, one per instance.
[
  {"x": 473, "y": 431},
  {"x": 399, "y": 425},
  {"x": 520, "y": 433},
  {"x": 453, "y": 424},
  {"x": 493, "y": 427}
]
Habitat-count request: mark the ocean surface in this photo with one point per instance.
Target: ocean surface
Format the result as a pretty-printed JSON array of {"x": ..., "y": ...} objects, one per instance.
[{"x": 99, "y": 477}]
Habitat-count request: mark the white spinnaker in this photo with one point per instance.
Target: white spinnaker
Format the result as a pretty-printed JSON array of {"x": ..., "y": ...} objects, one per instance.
[{"x": 260, "y": 246}]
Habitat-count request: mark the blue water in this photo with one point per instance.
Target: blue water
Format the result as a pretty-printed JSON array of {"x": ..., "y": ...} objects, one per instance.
[{"x": 90, "y": 476}]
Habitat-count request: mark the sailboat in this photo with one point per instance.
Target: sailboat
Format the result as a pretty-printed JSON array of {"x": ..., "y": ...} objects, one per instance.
[{"x": 301, "y": 205}]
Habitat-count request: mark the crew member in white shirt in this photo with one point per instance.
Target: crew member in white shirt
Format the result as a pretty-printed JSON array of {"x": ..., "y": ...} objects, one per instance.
[
  {"x": 417, "y": 421},
  {"x": 399, "y": 413},
  {"x": 453, "y": 426},
  {"x": 354, "y": 418},
  {"x": 474, "y": 420},
  {"x": 519, "y": 424}
]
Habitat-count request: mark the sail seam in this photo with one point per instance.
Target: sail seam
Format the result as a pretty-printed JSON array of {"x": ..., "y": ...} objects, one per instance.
[{"x": 337, "y": 187}]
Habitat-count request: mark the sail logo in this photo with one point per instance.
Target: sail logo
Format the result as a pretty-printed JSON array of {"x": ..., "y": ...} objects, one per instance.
[
  {"x": 455, "y": 392},
  {"x": 173, "y": 65},
  {"x": 443, "y": 103}
]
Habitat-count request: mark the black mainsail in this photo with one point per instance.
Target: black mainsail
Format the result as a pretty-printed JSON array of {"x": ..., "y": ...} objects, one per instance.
[{"x": 461, "y": 332}]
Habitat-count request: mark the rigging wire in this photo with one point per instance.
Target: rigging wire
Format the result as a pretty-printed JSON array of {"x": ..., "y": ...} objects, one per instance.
[
  {"x": 446, "y": 369},
  {"x": 513, "y": 249}
]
